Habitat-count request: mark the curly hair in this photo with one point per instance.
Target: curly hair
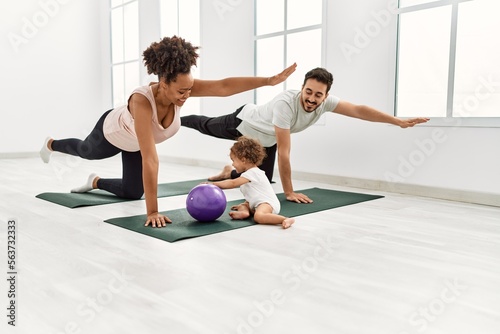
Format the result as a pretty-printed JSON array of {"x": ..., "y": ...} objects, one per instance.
[
  {"x": 321, "y": 75},
  {"x": 169, "y": 57},
  {"x": 249, "y": 150}
]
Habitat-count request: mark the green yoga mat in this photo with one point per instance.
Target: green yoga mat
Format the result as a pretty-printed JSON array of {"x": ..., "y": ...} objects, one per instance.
[
  {"x": 183, "y": 226},
  {"x": 98, "y": 197}
]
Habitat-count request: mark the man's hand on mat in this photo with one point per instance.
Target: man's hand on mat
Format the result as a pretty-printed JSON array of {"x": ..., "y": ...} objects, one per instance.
[
  {"x": 298, "y": 198},
  {"x": 157, "y": 220},
  {"x": 279, "y": 78}
]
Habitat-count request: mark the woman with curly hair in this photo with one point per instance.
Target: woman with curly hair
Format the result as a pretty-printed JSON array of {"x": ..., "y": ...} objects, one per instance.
[
  {"x": 261, "y": 201},
  {"x": 151, "y": 116}
]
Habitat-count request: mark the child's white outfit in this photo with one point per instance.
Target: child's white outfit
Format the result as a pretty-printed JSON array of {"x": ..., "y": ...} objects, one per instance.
[{"x": 259, "y": 190}]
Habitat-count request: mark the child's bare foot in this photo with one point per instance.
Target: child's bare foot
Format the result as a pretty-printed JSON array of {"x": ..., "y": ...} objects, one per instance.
[
  {"x": 224, "y": 175},
  {"x": 239, "y": 215},
  {"x": 240, "y": 211},
  {"x": 287, "y": 222}
]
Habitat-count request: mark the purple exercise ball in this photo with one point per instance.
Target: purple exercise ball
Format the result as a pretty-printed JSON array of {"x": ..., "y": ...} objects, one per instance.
[{"x": 206, "y": 202}]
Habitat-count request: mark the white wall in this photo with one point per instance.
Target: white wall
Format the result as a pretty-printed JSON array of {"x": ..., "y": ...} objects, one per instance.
[{"x": 54, "y": 79}]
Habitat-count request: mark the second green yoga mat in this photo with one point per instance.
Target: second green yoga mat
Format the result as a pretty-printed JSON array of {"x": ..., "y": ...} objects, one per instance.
[
  {"x": 98, "y": 197},
  {"x": 183, "y": 226}
]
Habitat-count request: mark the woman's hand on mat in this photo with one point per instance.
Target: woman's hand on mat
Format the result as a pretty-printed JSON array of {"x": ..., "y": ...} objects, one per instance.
[
  {"x": 298, "y": 198},
  {"x": 279, "y": 78},
  {"x": 157, "y": 220}
]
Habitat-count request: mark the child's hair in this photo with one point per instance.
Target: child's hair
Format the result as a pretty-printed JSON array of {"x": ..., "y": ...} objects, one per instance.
[
  {"x": 249, "y": 150},
  {"x": 169, "y": 57}
]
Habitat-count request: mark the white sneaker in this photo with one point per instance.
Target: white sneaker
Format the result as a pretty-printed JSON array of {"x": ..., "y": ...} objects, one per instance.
[
  {"x": 87, "y": 186},
  {"x": 45, "y": 152}
]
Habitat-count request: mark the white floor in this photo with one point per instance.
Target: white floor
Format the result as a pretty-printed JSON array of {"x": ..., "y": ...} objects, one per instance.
[{"x": 397, "y": 265}]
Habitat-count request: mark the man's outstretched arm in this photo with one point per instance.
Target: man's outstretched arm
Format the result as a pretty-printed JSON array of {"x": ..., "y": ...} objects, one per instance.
[{"x": 367, "y": 113}]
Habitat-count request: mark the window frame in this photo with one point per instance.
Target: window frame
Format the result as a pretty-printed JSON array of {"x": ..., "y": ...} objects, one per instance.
[{"x": 449, "y": 120}]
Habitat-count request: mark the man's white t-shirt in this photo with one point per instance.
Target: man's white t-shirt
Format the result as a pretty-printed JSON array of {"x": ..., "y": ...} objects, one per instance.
[{"x": 284, "y": 111}]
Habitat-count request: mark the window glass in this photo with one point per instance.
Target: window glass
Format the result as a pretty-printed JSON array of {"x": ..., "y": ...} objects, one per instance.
[
  {"x": 117, "y": 35},
  {"x": 169, "y": 19},
  {"x": 131, "y": 31},
  {"x": 298, "y": 51},
  {"x": 115, "y": 3},
  {"x": 131, "y": 77},
  {"x": 423, "y": 63},
  {"x": 269, "y": 57},
  {"x": 302, "y": 13},
  {"x": 270, "y": 16},
  {"x": 189, "y": 18},
  {"x": 118, "y": 85},
  {"x": 477, "y": 69}
]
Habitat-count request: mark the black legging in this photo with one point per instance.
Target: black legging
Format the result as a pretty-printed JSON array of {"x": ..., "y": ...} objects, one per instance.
[
  {"x": 94, "y": 147},
  {"x": 225, "y": 127}
]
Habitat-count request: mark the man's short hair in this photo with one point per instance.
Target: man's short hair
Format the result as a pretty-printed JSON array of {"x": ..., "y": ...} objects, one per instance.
[{"x": 322, "y": 75}]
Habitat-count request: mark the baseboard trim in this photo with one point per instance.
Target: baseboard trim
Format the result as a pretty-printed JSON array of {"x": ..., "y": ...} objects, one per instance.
[
  {"x": 404, "y": 188},
  {"x": 466, "y": 196},
  {"x": 19, "y": 155},
  {"x": 391, "y": 187}
]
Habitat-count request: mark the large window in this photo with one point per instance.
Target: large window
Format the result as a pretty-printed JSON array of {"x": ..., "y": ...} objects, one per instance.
[
  {"x": 448, "y": 60},
  {"x": 285, "y": 34}
]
